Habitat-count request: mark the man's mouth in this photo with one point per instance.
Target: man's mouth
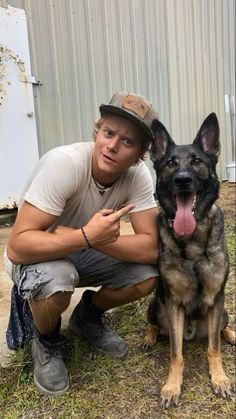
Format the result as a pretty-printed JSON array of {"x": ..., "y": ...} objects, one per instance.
[
  {"x": 108, "y": 159},
  {"x": 184, "y": 221}
]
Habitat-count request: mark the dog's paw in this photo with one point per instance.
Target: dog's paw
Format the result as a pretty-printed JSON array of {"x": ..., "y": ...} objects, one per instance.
[
  {"x": 221, "y": 386},
  {"x": 170, "y": 395},
  {"x": 229, "y": 335},
  {"x": 148, "y": 342},
  {"x": 150, "y": 338}
]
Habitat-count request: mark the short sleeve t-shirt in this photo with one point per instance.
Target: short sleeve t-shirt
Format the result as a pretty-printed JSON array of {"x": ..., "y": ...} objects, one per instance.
[{"x": 62, "y": 185}]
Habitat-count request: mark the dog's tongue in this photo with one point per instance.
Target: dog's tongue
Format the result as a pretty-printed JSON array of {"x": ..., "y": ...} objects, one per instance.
[{"x": 184, "y": 222}]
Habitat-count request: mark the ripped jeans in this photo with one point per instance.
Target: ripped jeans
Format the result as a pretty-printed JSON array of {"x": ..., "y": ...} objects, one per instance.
[{"x": 87, "y": 268}]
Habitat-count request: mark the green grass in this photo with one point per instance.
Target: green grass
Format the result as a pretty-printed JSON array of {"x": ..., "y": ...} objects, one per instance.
[{"x": 107, "y": 388}]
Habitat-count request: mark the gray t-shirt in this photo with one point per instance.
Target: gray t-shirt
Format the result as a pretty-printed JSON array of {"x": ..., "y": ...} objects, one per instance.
[{"x": 62, "y": 185}]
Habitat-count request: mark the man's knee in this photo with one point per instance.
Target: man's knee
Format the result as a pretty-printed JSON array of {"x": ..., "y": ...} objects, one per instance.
[
  {"x": 40, "y": 281},
  {"x": 60, "y": 300},
  {"x": 144, "y": 288}
]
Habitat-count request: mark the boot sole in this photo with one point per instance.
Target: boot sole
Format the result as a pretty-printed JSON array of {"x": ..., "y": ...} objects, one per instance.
[
  {"x": 79, "y": 333},
  {"x": 49, "y": 392}
]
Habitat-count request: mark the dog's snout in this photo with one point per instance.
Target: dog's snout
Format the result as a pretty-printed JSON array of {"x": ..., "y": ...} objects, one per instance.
[{"x": 183, "y": 179}]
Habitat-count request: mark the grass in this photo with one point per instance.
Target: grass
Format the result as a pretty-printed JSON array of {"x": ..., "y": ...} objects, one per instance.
[{"x": 118, "y": 389}]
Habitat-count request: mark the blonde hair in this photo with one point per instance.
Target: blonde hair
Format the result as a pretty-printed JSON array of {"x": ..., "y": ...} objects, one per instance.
[{"x": 145, "y": 142}]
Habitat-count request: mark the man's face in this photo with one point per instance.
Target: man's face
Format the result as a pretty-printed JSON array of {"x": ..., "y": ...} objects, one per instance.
[{"x": 118, "y": 146}]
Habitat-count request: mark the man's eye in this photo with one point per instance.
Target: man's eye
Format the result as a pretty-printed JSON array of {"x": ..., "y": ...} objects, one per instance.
[
  {"x": 127, "y": 141},
  {"x": 107, "y": 133}
]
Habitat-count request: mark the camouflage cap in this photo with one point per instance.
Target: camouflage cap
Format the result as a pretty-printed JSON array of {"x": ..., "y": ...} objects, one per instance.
[{"x": 133, "y": 107}]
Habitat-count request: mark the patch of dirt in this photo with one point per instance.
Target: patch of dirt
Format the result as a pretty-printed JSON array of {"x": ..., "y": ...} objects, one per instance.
[{"x": 227, "y": 199}]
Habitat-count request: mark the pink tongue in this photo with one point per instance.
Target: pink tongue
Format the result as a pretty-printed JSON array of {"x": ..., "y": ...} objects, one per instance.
[{"x": 184, "y": 222}]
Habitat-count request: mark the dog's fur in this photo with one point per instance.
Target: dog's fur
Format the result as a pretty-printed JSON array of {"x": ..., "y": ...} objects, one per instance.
[{"x": 193, "y": 261}]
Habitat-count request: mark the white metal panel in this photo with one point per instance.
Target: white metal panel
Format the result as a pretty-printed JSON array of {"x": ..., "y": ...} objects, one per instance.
[
  {"x": 178, "y": 53},
  {"x": 18, "y": 138},
  {"x": 201, "y": 53}
]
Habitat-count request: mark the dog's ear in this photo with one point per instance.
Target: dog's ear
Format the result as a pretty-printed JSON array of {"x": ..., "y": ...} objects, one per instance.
[
  {"x": 208, "y": 137},
  {"x": 162, "y": 140}
]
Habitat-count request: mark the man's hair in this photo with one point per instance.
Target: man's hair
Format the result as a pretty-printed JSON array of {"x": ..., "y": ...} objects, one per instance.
[{"x": 145, "y": 141}]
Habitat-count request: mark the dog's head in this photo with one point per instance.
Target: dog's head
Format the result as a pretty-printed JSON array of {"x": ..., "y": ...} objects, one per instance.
[{"x": 187, "y": 183}]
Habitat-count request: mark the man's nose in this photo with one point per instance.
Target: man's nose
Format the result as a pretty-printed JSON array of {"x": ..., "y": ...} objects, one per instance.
[{"x": 113, "y": 144}]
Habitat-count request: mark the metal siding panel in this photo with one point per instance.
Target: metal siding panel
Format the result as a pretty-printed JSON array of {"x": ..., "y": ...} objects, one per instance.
[
  {"x": 197, "y": 84},
  {"x": 114, "y": 52},
  {"x": 179, "y": 53},
  {"x": 82, "y": 75}
]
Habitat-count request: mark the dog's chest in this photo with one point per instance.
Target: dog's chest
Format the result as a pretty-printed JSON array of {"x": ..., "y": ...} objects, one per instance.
[
  {"x": 193, "y": 268},
  {"x": 184, "y": 248}
]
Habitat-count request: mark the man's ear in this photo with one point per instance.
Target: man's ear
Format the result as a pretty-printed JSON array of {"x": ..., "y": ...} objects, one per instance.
[
  {"x": 208, "y": 137},
  {"x": 162, "y": 140}
]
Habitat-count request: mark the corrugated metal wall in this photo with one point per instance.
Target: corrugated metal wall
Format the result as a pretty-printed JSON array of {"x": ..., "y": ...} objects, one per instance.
[{"x": 178, "y": 53}]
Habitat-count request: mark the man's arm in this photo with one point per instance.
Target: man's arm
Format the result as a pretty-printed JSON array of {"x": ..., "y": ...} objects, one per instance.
[
  {"x": 29, "y": 242},
  {"x": 141, "y": 247}
]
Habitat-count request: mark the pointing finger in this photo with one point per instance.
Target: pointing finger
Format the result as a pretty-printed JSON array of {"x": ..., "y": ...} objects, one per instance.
[
  {"x": 123, "y": 211},
  {"x": 106, "y": 211}
]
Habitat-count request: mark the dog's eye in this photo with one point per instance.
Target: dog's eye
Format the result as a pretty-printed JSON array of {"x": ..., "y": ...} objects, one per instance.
[
  {"x": 196, "y": 161},
  {"x": 172, "y": 163}
]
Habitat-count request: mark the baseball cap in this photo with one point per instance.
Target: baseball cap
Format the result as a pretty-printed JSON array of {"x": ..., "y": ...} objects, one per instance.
[{"x": 133, "y": 107}]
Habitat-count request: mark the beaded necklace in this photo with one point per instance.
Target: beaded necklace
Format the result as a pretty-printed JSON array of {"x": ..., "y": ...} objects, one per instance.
[{"x": 101, "y": 188}]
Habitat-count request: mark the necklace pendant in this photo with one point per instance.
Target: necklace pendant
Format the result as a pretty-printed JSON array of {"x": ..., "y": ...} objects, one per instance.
[{"x": 101, "y": 192}]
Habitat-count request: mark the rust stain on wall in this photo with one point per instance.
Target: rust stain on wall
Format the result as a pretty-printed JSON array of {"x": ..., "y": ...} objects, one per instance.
[{"x": 6, "y": 56}]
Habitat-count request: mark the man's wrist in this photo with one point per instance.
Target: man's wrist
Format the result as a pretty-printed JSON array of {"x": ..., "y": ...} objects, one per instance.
[{"x": 89, "y": 246}]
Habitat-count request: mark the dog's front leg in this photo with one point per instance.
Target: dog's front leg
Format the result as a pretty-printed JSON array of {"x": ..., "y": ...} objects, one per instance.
[
  {"x": 170, "y": 392},
  {"x": 220, "y": 382}
]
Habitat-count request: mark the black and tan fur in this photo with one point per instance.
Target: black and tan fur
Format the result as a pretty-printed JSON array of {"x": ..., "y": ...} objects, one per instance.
[{"x": 193, "y": 261}]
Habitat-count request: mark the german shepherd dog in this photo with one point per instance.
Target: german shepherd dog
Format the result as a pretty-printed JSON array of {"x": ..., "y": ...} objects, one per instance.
[{"x": 193, "y": 261}]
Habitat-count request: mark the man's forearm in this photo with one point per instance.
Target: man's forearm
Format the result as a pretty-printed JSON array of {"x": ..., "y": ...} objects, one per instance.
[
  {"x": 38, "y": 246},
  {"x": 138, "y": 248}
]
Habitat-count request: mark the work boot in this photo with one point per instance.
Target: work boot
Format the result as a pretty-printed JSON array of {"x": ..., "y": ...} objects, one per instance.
[
  {"x": 89, "y": 321},
  {"x": 50, "y": 374}
]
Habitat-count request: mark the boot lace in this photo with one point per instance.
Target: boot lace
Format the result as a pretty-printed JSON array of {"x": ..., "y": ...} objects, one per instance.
[{"x": 53, "y": 346}]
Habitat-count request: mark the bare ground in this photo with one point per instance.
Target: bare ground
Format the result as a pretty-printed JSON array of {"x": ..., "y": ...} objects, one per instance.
[{"x": 227, "y": 199}]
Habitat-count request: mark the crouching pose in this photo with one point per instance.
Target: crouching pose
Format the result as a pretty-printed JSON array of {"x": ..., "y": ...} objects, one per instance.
[{"x": 67, "y": 235}]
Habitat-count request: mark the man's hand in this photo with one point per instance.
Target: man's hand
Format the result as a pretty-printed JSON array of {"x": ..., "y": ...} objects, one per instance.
[{"x": 104, "y": 226}]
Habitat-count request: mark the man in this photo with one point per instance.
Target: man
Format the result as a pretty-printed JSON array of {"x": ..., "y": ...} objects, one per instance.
[{"x": 67, "y": 235}]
